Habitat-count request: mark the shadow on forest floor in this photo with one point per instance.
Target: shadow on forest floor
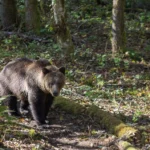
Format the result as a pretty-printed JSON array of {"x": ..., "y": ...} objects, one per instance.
[{"x": 65, "y": 132}]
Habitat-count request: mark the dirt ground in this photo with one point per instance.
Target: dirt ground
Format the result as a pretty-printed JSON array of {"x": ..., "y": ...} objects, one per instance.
[{"x": 66, "y": 132}]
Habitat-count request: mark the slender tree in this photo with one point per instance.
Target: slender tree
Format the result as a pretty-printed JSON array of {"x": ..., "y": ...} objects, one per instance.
[
  {"x": 118, "y": 36},
  {"x": 32, "y": 16},
  {"x": 8, "y": 13},
  {"x": 62, "y": 30}
]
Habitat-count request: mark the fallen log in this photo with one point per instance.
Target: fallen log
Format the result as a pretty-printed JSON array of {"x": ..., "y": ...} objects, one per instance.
[{"x": 105, "y": 119}]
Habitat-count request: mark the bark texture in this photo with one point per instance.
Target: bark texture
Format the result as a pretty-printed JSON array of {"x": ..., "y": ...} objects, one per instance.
[
  {"x": 118, "y": 37},
  {"x": 32, "y": 16},
  {"x": 62, "y": 30},
  {"x": 8, "y": 14}
]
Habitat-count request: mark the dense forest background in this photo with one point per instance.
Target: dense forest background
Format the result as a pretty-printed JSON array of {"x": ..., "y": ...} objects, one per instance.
[{"x": 105, "y": 47}]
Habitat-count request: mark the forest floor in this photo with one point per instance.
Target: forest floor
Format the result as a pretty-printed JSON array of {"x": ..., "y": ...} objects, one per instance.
[
  {"x": 120, "y": 85},
  {"x": 71, "y": 132},
  {"x": 66, "y": 132}
]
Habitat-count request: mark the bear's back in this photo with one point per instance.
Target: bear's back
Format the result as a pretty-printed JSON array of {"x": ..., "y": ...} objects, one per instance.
[
  {"x": 22, "y": 65},
  {"x": 17, "y": 66},
  {"x": 14, "y": 75}
]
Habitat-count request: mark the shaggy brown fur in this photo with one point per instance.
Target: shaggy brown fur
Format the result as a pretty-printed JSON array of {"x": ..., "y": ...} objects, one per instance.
[{"x": 35, "y": 83}]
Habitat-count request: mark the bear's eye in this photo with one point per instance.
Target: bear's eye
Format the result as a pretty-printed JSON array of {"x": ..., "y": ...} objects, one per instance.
[
  {"x": 51, "y": 84},
  {"x": 59, "y": 84}
]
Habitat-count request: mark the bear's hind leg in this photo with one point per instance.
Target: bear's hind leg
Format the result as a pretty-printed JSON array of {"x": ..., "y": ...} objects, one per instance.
[{"x": 12, "y": 106}]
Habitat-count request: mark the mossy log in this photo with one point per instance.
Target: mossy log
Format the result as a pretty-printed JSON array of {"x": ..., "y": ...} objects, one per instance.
[
  {"x": 124, "y": 145},
  {"x": 106, "y": 119}
]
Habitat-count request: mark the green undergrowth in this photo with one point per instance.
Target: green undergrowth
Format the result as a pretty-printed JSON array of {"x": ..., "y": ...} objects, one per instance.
[{"x": 119, "y": 80}]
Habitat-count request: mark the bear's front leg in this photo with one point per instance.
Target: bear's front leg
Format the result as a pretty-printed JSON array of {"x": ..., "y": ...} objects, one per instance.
[
  {"x": 37, "y": 106},
  {"x": 48, "y": 102},
  {"x": 24, "y": 107}
]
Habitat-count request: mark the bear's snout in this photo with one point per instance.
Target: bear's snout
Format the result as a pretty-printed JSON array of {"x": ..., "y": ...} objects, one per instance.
[{"x": 55, "y": 93}]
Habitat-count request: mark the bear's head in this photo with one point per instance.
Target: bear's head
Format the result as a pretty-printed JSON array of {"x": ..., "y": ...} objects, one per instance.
[{"x": 54, "y": 79}]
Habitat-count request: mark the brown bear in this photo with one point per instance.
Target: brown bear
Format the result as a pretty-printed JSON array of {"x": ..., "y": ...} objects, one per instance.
[{"x": 35, "y": 83}]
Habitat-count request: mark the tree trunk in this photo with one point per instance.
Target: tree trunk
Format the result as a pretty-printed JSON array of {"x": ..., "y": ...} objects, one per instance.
[
  {"x": 1, "y": 14},
  {"x": 32, "y": 16},
  {"x": 8, "y": 14},
  {"x": 100, "y": 2},
  {"x": 118, "y": 36},
  {"x": 62, "y": 30}
]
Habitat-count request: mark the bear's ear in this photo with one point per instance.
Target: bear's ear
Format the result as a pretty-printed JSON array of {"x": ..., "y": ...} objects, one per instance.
[
  {"x": 45, "y": 70},
  {"x": 62, "y": 70}
]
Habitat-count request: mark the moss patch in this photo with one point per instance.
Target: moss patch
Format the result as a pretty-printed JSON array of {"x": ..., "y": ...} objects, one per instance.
[{"x": 126, "y": 146}]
